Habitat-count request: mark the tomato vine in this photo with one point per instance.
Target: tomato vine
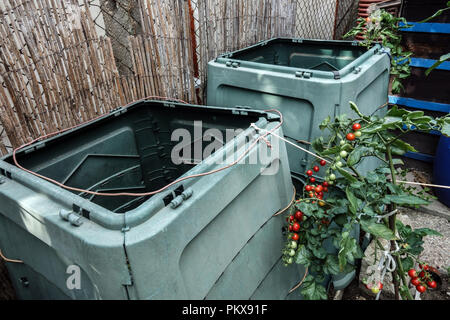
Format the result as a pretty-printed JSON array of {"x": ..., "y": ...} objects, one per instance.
[
  {"x": 383, "y": 27},
  {"x": 331, "y": 207}
]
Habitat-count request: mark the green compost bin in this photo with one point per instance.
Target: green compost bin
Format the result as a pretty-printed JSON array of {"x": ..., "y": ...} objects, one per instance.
[
  {"x": 210, "y": 237},
  {"x": 307, "y": 81}
]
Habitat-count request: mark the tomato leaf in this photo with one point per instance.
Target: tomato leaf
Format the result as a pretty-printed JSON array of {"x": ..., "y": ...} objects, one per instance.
[
  {"x": 324, "y": 123},
  {"x": 446, "y": 129},
  {"x": 331, "y": 265},
  {"x": 427, "y": 232},
  {"x": 377, "y": 229},
  {"x": 312, "y": 290},
  {"x": 346, "y": 175},
  {"x": 355, "y": 156},
  {"x": 303, "y": 256},
  {"x": 320, "y": 252},
  {"x": 404, "y": 199},
  {"x": 407, "y": 263},
  {"x": 352, "y": 199},
  {"x": 437, "y": 63},
  {"x": 332, "y": 150},
  {"x": 395, "y": 111}
]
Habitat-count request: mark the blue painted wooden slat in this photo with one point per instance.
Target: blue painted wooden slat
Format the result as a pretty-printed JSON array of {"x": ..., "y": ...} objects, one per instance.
[
  {"x": 419, "y": 156},
  {"x": 420, "y": 104},
  {"x": 430, "y": 132},
  {"x": 427, "y": 27},
  {"x": 426, "y": 63}
]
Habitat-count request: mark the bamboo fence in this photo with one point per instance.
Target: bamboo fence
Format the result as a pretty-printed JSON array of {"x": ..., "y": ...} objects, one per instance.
[{"x": 60, "y": 63}]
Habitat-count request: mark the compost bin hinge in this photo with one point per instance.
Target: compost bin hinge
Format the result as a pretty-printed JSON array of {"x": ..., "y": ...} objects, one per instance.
[
  {"x": 118, "y": 111},
  {"x": 303, "y": 74},
  {"x": 357, "y": 70},
  {"x": 35, "y": 147},
  {"x": 243, "y": 112},
  {"x": 233, "y": 64},
  {"x": 169, "y": 105},
  {"x": 186, "y": 194},
  {"x": 74, "y": 218}
]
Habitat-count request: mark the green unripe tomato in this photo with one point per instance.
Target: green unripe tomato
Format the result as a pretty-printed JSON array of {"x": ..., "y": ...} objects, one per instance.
[
  {"x": 332, "y": 177},
  {"x": 290, "y": 260},
  {"x": 339, "y": 164},
  {"x": 375, "y": 290},
  {"x": 293, "y": 244},
  {"x": 292, "y": 252},
  {"x": 357, "y": 133},
  {"x": 343, "y": 153},
  {"x": 337, "y": 158},
  {"x": 333, "y": 167},
  {"x": 342, "y": 142},
  {"x": 330, "y": 182}
]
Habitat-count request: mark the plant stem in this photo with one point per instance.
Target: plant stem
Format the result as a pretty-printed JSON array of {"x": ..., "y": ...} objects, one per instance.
[
  {"x": 357, "y": 173},
  {"x": 392, "y": 220}
]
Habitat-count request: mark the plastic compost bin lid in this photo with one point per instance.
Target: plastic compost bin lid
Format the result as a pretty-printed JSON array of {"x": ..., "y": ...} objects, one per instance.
[
  {"x": 67, "y": 158},
  {"x": 330, "y": 59}
]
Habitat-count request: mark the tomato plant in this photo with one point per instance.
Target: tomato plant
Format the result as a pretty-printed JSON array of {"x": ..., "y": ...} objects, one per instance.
[
  {"x": 383, "y": 27},
  {"x": 369, "y": 199}
]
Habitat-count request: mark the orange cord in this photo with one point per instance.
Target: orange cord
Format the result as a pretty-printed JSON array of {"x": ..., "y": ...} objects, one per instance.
[
  {"x": 288, "y": 206},
  {"x": 9, "y": 260},
  {"x": 300, "y": 283}
]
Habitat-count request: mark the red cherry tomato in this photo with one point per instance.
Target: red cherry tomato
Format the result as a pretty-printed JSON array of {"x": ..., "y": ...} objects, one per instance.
[
  {"x": 291, "y": 218},
  {"x": 426, "y": 267},
  {"x": 412, "y": 273},
  {"x": 299, "y": 215},
  {"x": 432, "y": 284},
  {"x": 309, "y": 173},
  {"x": 325, "y": 189},
  {"x": 323, "y": 162},
  {"x": 319, "y": 188},
  {"x": 312, "y": 179},
  {"x": 295, "y": 237},
  {"x": 422, "y": 274},
  {"x": 316, "y": 168},
  {"x": 296, "y": 226},
  {"x": 415, "y": 281},
  {"x": 356, "y": 126},
  {"x": 350, "y": 136},
  {"x": 367, "y": 19},
  {"x": 325, "y": 184},
  {"x": 421, "y": 288},
  {"x": 290, "y": 228},
  {"x": 308, "y": 188}
]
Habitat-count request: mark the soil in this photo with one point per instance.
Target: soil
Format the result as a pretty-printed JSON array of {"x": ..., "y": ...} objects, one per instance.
[{"x": 6, "y": 289}]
